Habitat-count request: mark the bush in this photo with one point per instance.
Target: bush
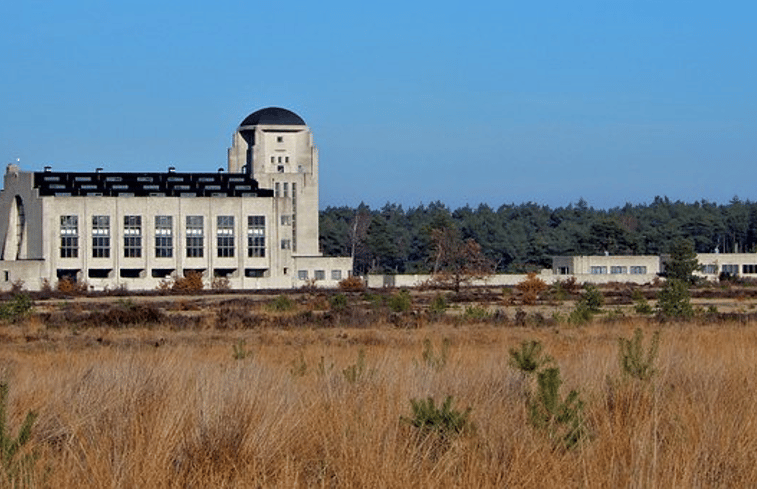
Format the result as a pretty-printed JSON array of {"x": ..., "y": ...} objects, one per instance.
[
  {"x": 674, "y": 300},
  {"x": 190, "y": 282},
  {"x": 16, "y": 308},
  {"x": 593, "y": 299},
  {"x": 16, "y": 467},
  {"x": 281, "y": 303},
  {"x": 443, "y": 420},
  {"x": 633, "y": 362},
  {"x": 220, "y": 283},
  {"x": 530, "y": 288},
  {"x": 70, "y": 286},
  {"x": 560, "y": 420},
  {"x": 476, "y": 313},
  {"x": 352, "y": 284},
  {"x": 528, "y": 359},
  {"x": 338, "y": 302},
  {"x": 400, "y": 302},
  {"x": 438, "y": 305}
]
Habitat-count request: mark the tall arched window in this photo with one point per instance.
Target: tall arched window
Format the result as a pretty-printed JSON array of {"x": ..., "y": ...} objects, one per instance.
[{"x": 20, "y": 226}]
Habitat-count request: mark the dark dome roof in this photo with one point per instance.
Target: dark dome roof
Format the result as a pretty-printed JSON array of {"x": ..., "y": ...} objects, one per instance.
[{"x": 274, "y": 116}]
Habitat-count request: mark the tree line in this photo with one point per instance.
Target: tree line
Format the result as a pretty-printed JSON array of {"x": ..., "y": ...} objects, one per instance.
[{"x": 522, "y": 238}]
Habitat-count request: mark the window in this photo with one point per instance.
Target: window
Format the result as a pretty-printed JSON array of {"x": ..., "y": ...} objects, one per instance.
[
  {"x": 163, "y": 236},
  {"x": 731, "y": 269},
  {"x": 286, "y": 220},
  {"x": 273, "y": 159},
  {"x": 255, "y": 236},
  {"x": 225, "y": 235},
  {"x": 132, "y": 236},
  {"x": 69, "y": 236},
  {"x": 277, "y": 189},
  {"x": 336, "y": 275},
  {"x": 599, "y": 270},
  {"x": 320, "y": 275},
  {"x": 749, "y": 269},
  {"x": 7, "y": 275},
  {"x": 286, "y": 189},
  {"x": 286, "y": 244},
  {"x": 195, "y": 237},
  {"x": 279, "y": 139},
  {"x": 710, "y": 269},
  {"x": 302, "y": 274},
  {"x": 563, "y": 270},
  {"x": 618, "y": 270},
  {"x": 280, "y": 169},
  {"x": 639, "y": 270},
  {"x": 101, "y": 236}
]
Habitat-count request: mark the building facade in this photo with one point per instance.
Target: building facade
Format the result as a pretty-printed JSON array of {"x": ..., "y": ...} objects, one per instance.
[{"x": 254, "y": 226}]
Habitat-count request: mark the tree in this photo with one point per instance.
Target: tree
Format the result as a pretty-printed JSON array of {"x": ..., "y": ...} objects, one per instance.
[
  {"x": 457, "y": 261},
  {"x": 683, "y": 261}
]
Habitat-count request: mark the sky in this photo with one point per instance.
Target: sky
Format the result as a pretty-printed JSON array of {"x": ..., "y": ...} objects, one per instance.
[{"x": 493, "y": 102}]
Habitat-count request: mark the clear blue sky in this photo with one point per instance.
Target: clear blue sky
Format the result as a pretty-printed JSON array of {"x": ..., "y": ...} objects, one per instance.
[{"x": 612, "y": 101}]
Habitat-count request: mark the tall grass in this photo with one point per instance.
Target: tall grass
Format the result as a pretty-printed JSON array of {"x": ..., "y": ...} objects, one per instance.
[{"x": 187, "y": 414}]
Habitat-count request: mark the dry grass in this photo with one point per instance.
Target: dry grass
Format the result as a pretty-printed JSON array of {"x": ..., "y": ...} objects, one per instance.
[{"x": 160, "y": 408}]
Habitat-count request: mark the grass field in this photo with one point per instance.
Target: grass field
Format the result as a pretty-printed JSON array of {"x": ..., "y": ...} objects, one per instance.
[{"x": 306, "y": 406}]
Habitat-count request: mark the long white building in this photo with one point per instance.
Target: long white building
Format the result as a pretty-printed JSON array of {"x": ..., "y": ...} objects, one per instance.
[{"x": 255, "y": 224}]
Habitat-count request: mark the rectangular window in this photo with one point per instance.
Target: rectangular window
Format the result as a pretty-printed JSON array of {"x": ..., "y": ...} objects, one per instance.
[
  {"x": 336, "y": 275},
  {"x": 69, "y": 236},
  {"x": 320, "y": 275},
  {"x": 618, "y": 270},
  {"x": 598, "y": 270},
  {"x": 710, "y": 269},
  {"x": 195, "y": 237},
  {"x": 132, "y": 236},
  {"x": 100, "y": 236},
  {"x": 163, "y": 236},
  {"x": 639, "y": 270},
  {"x": 749, "y": 269},
  {"x": 302, "y": 274},
  {"x": 286, "y": 220},
  {"x": 286, "y": 189},
  {"x": 731, "y": 269},
  {"x": 279, "y": 139},
  {"x": 255, "y": 236},
  {"x": 225, "y": 235},
  {"x": 277, "y": 189},
  {"x": 286, "y": 244}
]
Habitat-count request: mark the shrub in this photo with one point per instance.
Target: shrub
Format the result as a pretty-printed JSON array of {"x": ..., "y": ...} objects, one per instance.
[
  {"x": 530, "y": 288},
  {"x": 338, "y": 302},
  {"x": 433, "y": 360},
  {"x": 281, "y": 303},
  {"x": 560, "y": 420},
  {"x": 438, "y": 305},
  {"x": 633, "y": 362},
  {"x": 593, "y": 299},
  {"x": 16, "y": 308},
  {"x": 528, "y": 358},
  {"x": 70, "y": 286},
  {"x": 476, "y": 313},
  {"x": 190, "y": 282},
  {"x": 352, "y": 284},
  {"x": 16, "y": 467},
  {"x": 581, "y": 314},
  {"x": 674, "y": 300},
  {"x": 443, "y": 420},
  {"x": 357, "y": 371},
  {"x": 220, "y": 283},
  {"x": 240, "y": 350},
  {"x": 400, "y": 302}
]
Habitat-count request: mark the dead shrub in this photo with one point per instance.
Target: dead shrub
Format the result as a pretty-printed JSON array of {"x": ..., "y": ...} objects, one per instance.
[
  {"x": 352, "y": 284},
  {"x": 530, "y": 288},
  {"x": 69, "y": 286},
  {"x": 191, "y": 282}
]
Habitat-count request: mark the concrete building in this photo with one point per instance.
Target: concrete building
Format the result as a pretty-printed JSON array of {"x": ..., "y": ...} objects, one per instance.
[{"x": 255, "y": 225}]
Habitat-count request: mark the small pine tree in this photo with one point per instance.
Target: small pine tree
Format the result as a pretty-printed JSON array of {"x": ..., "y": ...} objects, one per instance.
[
  {"x": 633, "y": 362},
  {"x": 674, "y": 300},
  {"x": 528, "y": 359},
  {"x": 560, "y": 419}
]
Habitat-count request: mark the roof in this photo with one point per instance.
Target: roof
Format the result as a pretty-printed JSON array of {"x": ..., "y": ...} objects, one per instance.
[{"x": 274, "y": 116}]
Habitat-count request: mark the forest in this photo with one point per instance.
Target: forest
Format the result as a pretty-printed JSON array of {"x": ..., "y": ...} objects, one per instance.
[{"x": 524, "y": 237}]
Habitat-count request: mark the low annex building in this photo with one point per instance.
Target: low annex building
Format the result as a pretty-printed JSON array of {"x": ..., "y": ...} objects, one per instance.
[{"x": 255, "y": 225}]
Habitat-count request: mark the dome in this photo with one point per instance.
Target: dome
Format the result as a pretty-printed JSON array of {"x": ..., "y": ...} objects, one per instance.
[{"x": 274, "y": 116}]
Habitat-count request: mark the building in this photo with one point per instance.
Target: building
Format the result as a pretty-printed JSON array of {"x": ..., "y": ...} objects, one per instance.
[
  {"x": 608, "y": 268},
  {"x": 255, "y": 225}
]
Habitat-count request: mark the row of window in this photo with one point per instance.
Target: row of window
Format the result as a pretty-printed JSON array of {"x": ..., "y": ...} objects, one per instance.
[
  {"x": 281, "y": 189},
  {"x": 618, "y": 270},
  {"x": 730, "y": 269},
  {"x": 319, "y": 274},
  {"x": 164, "y": 237}
]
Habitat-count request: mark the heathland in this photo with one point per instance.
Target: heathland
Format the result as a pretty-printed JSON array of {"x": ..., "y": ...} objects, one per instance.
[{"x": 348, "y": 389}]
